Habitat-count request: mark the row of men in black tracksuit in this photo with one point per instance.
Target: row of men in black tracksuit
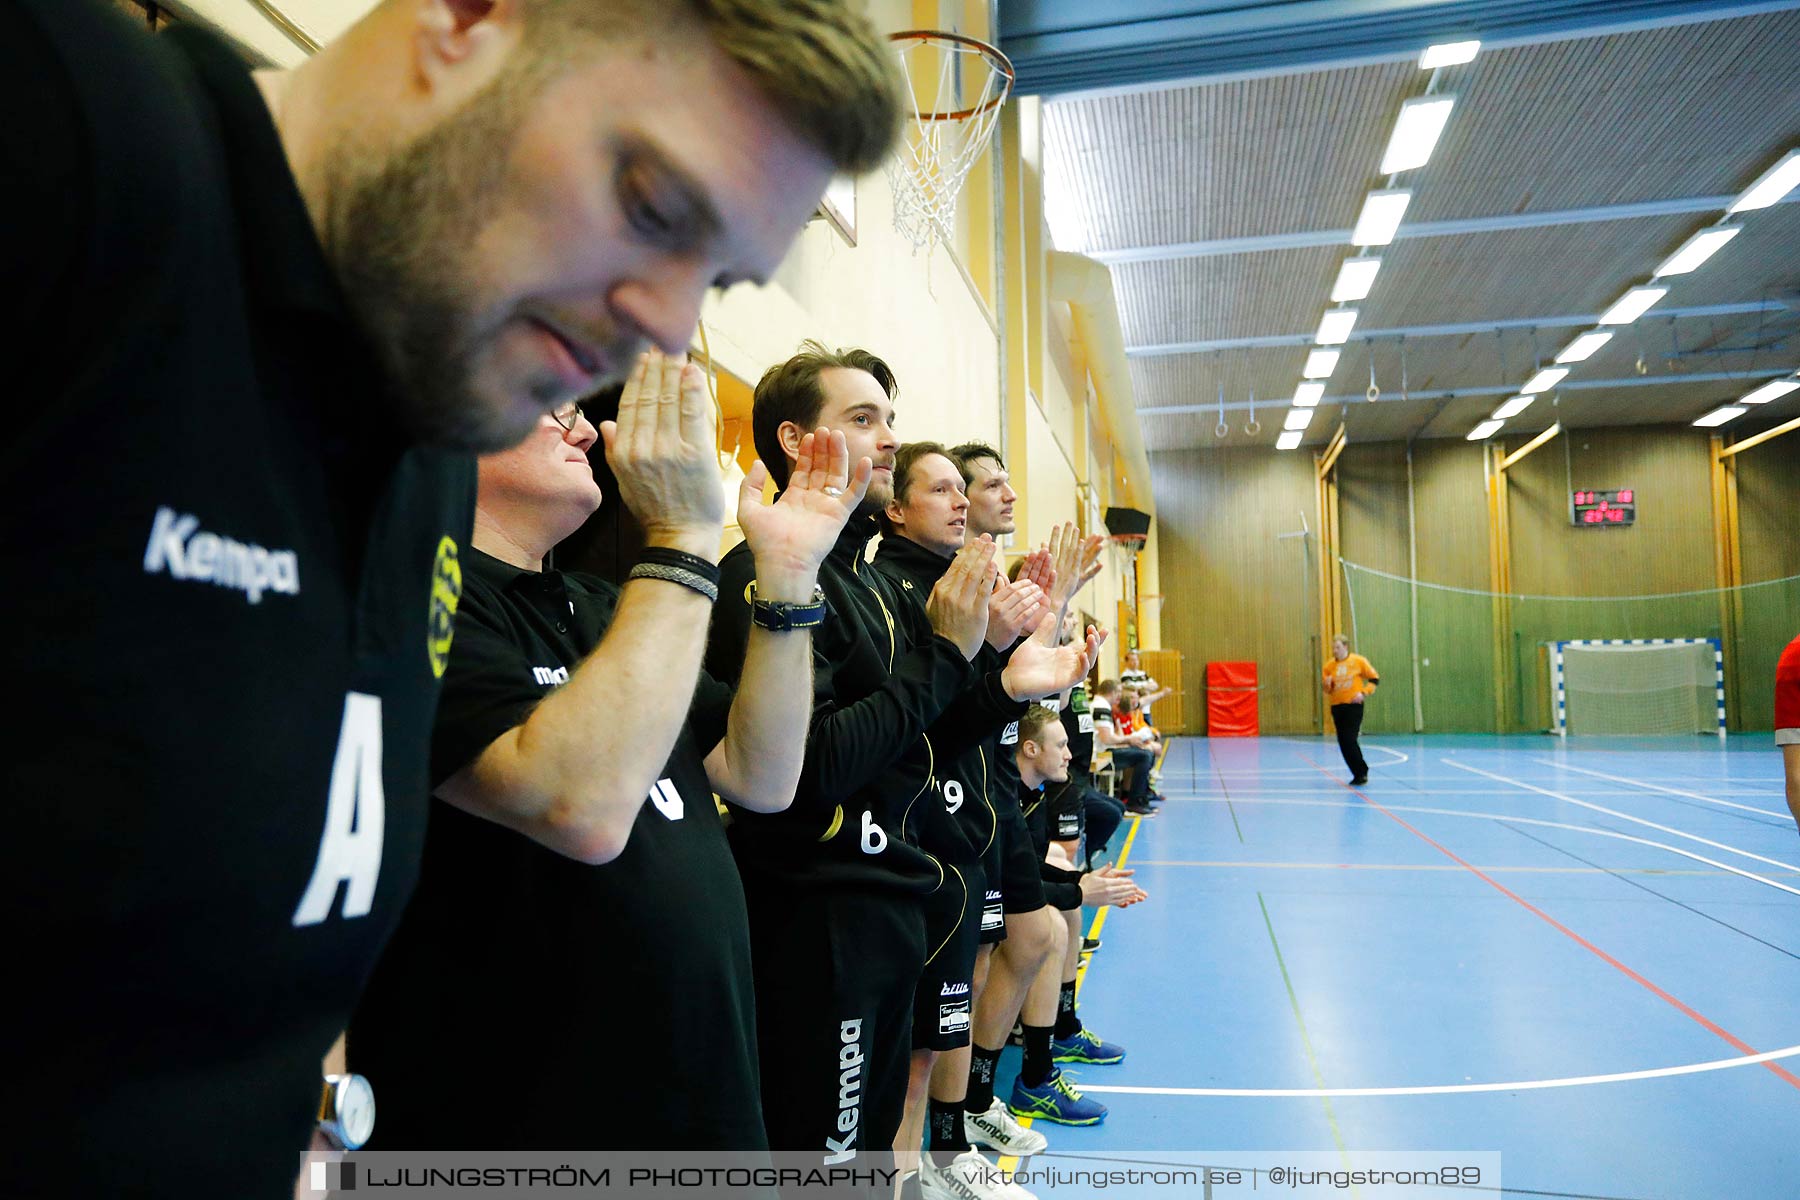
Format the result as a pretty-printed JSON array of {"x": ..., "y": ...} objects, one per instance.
[{"x": 839, "y": 953}]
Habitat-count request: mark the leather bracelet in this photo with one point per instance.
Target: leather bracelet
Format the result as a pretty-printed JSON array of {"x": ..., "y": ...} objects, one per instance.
[
  {"x": 664, "y": 556},
  {"x": 692, "y": 580}
]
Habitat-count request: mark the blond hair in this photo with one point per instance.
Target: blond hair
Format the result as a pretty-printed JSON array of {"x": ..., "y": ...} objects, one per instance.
[{"x": 819, "y": 63}]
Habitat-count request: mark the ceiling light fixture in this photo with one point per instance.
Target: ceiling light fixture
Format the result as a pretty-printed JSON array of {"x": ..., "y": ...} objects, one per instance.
[
  {"x": 1380, "y": 218},
  {"x": 1775, "y": 389},
  {"x": 1485, "y": 430},
  {"x": 1416, "y": 132},
  {"x": 1288, "y": 441},
  {"x": 1719, "y": 416},
  {"x": 1696, "y": 250},
  {"x": 1448, "y": 54},
  {"x": 1297, "y": 418},
  {"x": 1308, "y": 394},
  {"x": 1355, "y": 278},
  {"x": 1320, "y": 364},
  {"x": 1632, "y": 304},
  {"x": 1544, "y": 380},
  {"x": 1513, "y": 407},
  {"x": 1335, "y": 327},
  {"x": 1771, "y": 186},
  {"x": 1583, "y": 347}
]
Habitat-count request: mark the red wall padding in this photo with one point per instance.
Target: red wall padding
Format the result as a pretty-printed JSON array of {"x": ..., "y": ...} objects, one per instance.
[{"x": 1231, "y": 699}]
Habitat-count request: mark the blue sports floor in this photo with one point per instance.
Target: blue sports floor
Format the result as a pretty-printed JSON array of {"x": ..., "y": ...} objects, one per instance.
[{"x": 1570, "y": 953}]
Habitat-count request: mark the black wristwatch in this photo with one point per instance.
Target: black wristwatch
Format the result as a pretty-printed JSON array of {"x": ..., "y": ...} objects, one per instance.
[{"x": 781, "y": 616}]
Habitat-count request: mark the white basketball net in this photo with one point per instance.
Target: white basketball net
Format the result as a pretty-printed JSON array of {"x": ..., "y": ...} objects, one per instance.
[{"x": 928, "y": 172}]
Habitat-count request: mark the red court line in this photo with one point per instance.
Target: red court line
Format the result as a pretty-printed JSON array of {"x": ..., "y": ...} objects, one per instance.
[{"x": 1711, "y": 1026}]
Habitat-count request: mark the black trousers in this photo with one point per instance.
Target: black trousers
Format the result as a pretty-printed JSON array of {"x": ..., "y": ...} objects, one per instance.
[
  {"x": 1104, "y": 815},
  {"x": 1134, "y": 763},
  {"x": 835, "y": 971},
  {"x": 1348, "y": 719}
]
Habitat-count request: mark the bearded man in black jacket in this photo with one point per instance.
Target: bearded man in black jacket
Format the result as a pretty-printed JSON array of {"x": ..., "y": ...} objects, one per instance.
[{"x": 835, "y": 884}]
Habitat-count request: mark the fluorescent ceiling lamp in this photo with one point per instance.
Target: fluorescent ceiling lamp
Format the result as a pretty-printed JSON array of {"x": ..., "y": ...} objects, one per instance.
[
  {"x": 1308, "y": 394},
  {"x": 1544, "y": 380},
  {"x": 1320, "y": 364},
  {"x": 1631, "y": 305},
  {"x": 1297, "y": 418},
  {"x": 1335, "y": 327},
  {"x": 1416, "y": 132},
  {"x": 1485, "y": 430},
  {"x": 1772, "y": 390},
  {"x": 1288, "y": 441},
  {"x": 1355, "y": 278},
  {"x": 1513, "y": 407},
  {"x": 1697, "y": 249},
  {"x": 1583, "y": 347},
  {"x": 1719, "y": 416},
  {"x": 1381, "y": 214},
  {"x": 1449, "y": 54},
  {"x": 1775, "y": 183}
]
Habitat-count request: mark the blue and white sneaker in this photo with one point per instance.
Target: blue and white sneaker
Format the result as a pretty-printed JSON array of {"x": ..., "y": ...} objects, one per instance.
[
  {"x": 1055, "y": 1099},
  {"x": 1085, "y": 1047}
]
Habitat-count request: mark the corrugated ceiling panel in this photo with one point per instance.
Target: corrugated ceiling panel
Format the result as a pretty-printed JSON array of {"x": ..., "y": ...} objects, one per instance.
[
  {"x": 1235, "y": 159},
  {"x": 1241, "y": 296},
  {"x": 1689, "y": 111}
]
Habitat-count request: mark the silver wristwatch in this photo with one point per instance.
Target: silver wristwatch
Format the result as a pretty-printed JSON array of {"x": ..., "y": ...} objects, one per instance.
[{"x": 347, "y": 1111}]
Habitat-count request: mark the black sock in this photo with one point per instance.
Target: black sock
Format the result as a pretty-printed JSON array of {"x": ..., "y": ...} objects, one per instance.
[
  {"x": 1067, "y": 1023},
  {"x": 981, "y": 1079},
  {"x": 948, "y": 1138},
  {"x": 1038, "y": 1063}
]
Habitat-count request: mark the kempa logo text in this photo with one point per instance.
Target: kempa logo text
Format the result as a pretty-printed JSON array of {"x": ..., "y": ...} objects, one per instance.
[{"x": 178, "y": 544}]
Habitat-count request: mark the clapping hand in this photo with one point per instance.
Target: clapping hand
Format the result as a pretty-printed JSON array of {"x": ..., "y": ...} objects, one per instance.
[
  {"x": 1040, "y": 667},
  {"x": 958, "y": 604},
  {"x": 1012, "y": 609},
  {"x": 662, "y": 451},
  {"x": 791, "y": 537}
]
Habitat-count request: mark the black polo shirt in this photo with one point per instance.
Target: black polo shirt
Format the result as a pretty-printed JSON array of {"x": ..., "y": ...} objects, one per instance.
[
  {"x": 611, "y": 1006},
  {"x": 228, "y": 587}
]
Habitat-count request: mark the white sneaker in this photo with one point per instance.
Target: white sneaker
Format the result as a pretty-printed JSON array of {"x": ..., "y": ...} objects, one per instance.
[
  {"x": 968, "y": 1176},
  {"x": 999, "y": 1130}
]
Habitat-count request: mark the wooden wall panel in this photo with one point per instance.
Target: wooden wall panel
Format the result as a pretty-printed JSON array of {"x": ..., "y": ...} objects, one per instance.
[
  {"x": 1769, "y": 533},
  {"x": 1455, "y": 637},
  {"x": 1669, "y": 549},
  {"x": 1372, "y": 533},
  {"x": 1233, "y": 592}
]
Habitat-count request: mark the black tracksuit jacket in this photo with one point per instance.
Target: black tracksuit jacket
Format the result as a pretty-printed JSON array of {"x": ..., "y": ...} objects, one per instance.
[
  {"x": 879, "y": 684},
  {"x": 915, "y": 570}
]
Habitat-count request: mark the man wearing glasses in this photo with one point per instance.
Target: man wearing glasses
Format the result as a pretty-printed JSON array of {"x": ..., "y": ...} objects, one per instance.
[
  {"x": 578, "y": 916},
  {"x": 269, "y": 315}
]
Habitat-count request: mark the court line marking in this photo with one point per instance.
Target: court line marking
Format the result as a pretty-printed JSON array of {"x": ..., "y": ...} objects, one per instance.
[
  {"x": 1312, "y": 1059},
  {"x": 1452, "y": 1089},
  {"x": 1600, "y": 808},
  {"x": 1399, "y": 757},
  {"x": 1517, "y": 820},
  {"x": 1641, "y": 980},
  {"x": 1329, "y": 866},
  {"x": 1657, "y": 787}
]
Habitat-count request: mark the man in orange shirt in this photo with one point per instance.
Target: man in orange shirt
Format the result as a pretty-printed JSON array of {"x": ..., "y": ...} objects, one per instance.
[{"x": 1349, "y": 679}]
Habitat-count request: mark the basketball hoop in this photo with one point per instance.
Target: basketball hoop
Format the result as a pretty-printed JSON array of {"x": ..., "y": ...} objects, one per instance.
[
  {"x": 1131, "y": 543},
  {"x": 965, "y": 81}
]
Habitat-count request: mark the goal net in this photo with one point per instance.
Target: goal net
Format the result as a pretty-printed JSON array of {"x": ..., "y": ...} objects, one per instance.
[{"x": 1654, "y": 686}]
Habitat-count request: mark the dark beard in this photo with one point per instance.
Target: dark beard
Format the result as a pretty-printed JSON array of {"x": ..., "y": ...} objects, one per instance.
[{"x": 396, "y": 243}]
